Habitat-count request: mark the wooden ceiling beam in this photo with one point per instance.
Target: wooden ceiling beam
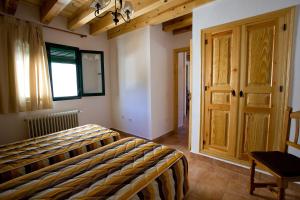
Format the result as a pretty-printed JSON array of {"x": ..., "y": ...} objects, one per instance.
[
  {"x": 10, "y": 6},
  {"x": 178, "y": 23},
  {"x": 140, "y": 7},
  {"x": 160, "y": 15},
  {"x": 52, "y": 8},
  {"x": 178, "y": 11},
  {"x": 183, "y": 30},
  {"x": 83, "y": 16}
]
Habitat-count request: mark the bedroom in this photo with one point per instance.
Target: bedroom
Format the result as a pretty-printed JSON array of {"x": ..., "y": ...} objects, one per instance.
[{"x": 138, "y": 95}]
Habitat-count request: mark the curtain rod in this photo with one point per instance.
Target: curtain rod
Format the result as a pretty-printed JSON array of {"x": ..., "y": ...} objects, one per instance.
[
  {"x": 45, "y": 26},
  {"x": 65, "y": 31}
]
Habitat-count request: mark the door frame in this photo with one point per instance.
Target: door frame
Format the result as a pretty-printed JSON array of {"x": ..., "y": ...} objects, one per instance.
[
  {"x": 175, "y": 96},
  {"x": 290, "y": 21}
]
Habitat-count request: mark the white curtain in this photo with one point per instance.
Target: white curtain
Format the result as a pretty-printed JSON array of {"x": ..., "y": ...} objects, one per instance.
[{"x": 24, "y": 74}]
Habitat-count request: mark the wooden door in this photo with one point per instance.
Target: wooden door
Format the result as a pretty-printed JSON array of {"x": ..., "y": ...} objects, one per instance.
[
  {"x": 251, "y": 59},
  {"x": 258, "y": 87},
  {"x": 221, "y": 86}
]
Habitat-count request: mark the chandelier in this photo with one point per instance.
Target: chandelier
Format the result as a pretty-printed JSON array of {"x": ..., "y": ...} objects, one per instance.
[{"x": 121, "y": 10}]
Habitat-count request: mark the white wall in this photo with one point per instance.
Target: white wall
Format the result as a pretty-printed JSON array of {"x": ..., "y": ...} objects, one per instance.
[
  {"x": 162, "y": 79},
  {"x": 225, "y": 11},
  {"x": 295, "y": 100},
  {"x": 130, "y": 78},
  {"x": 145, "y": 109},
  {"x": 161, "y": 44},
  {"x": 181, "y": 40},
  {"x": 181, "y": 87},
  {"x": 95, "y": 109}
]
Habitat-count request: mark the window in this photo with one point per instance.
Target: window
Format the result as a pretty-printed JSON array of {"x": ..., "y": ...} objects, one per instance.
[
  {"x": 65, "y": 71},
  {"x": 93, "y": 83}
]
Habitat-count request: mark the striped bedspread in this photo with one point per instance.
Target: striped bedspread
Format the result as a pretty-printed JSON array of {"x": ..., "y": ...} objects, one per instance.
[
  {"x": 25, "y": 156},
  {"x": 130, "y": 168}
]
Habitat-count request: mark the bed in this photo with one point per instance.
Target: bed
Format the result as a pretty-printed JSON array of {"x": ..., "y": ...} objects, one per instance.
[
  {"x": 130, "y": 168},
  {"x": 26, "y": 156}
]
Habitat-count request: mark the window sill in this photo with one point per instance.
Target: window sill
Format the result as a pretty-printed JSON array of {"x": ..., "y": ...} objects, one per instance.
[{"x": 66, "y": 98}]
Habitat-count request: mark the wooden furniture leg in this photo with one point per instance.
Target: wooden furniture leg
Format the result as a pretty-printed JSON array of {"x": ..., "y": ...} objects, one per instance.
[
  {"x": 252, "y": 175},
  {"x": 282, "y": 186},
  {"x": 281, "y": 193}
]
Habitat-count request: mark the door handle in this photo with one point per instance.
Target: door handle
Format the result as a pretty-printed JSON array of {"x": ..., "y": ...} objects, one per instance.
[
  {"x": 241, "y": 93},
  {"x": 233, "y": 92}
]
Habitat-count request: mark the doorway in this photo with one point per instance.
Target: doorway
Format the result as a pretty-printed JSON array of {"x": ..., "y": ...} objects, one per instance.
[{"x": 182, "y": 94}]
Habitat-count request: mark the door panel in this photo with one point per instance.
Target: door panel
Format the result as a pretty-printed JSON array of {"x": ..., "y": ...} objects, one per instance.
[
  {"x": 221, "y": 59},
  {"x": 219, "y": 131},
  {"x": 221, "y": 74},
  {"x": 258, "y": 100},
  {"x": 258, "y": 72},
  {"x": 220, "y": 98},
  {"x": 256, "y": 129},
  {"x": 260, "y": 53}
]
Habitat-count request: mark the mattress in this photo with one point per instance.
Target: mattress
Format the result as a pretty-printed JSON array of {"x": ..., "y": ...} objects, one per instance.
[
  {"x": 130, "y": 168},
  {"x": 25, "y": 156}
]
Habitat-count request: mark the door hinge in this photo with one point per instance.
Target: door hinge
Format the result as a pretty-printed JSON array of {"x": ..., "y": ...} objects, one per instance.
[
  {"x": 204, "y": 142},
  {"x": 281, "y": 88},
  {"x": 284, "y": 27},
  {"x": 205, "y": 88},
  {"x": 206, "y": 41}
]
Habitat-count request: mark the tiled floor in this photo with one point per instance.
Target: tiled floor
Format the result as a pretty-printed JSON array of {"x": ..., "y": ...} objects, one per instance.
[{"x": 212, "y": 179}]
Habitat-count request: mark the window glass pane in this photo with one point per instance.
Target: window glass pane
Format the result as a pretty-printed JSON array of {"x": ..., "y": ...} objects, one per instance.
[
  {"x": 92, "y": 74},
  {"x": 64, "y": 79}
]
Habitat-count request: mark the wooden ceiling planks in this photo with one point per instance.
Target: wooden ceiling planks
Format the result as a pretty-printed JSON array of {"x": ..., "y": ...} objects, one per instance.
[
  {"x": 162, "y": 14},
  {"x": 51, "y": 9},
  {"x": 85, "y": 15},
  {"x": 182, "y": 30},
  {"x": 178, "y": 23},
  {"x": 140, "y": 8},
  {"x": 147, "y": 12},
  {"x": 73, "y": 7}
]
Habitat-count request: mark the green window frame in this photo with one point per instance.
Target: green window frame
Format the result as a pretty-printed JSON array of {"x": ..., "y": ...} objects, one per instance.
[{"x": 69, "y": 59}]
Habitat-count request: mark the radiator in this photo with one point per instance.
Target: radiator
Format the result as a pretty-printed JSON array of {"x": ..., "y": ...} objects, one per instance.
[{"x": 44, "y": 124}]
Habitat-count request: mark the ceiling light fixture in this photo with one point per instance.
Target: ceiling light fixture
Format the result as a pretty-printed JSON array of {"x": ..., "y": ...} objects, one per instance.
[{"x": 122, "y": 10}]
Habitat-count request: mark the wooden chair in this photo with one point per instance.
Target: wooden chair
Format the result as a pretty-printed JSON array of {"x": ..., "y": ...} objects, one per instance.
[{"x": 284, "y": 166}]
